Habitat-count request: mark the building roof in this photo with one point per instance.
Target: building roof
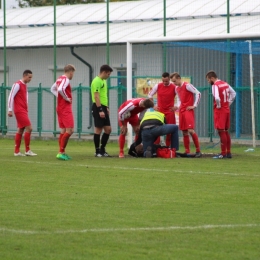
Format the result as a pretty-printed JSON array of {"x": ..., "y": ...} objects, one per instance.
[{"x": 85, "y": 24}]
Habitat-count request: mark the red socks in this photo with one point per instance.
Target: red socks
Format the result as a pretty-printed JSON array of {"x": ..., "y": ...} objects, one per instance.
[
  {"x": 228, "y": 142},
  {"x": 223, "y": 140},
  {"x": 186, "y": 142},
  {"x": 17, "y": 142},
  {"x": 121, "y": 142},
  {"x": 196, "y": 142},
  {"x": 63, "y": 142}
]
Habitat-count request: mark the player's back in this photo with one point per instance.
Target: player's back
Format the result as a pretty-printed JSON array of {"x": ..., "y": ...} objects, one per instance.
[
  {"x": 63, "y": 83},
  {"x": 132, "y": 105},
  {"x": 223, "y": 89}
]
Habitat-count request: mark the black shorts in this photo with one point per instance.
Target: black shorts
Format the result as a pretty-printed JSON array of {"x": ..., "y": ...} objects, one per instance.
[{"x": 98, "y": 121}]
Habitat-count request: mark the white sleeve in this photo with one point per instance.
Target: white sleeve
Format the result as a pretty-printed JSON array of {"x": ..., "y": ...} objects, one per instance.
[
  {"x": 14, "y": 90},
  {"x": 129, "y": 107},
  {"x": 215, "y": 94},
  {"x": 153, "y": 91},
  {"x": 232, "y": 95},
  {"x": 62, "y": 87},
  {"x": 197, "y": 94},
  {"x": 178, "y": 98},
  {"x": 54, "y": 90}
]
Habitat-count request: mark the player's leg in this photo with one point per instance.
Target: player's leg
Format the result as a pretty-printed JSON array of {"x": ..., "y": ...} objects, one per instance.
[
  {"x": 107, "y": 131},
  {"x": 219, "y": 122},
  {"x": 195, "y": 140},
  {"x": 121, "y": 140},
  {"x": 27, "y": 140},
  {"x": 185, "y": 134},
  {"x": 17, "y": 141},
  {"x": 64, "y": 140},
  {"x": 229, "y": 155},
  {"x": 148, "y": 140},
  {"x": 170, "y": 119}
]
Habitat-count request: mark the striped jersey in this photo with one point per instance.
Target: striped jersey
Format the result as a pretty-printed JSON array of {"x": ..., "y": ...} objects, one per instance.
[
  {"x": 223, "y": 95},
  {"x": 62, "y": 90},
  {"x": 186, "y": 93},
  {"x": 165, "y": 96},
  {"x": 132, "y": 106},
  {"x": 18, "y": 97}
]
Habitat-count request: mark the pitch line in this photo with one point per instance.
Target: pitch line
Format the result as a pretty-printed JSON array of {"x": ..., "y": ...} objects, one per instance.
[
  {"x": 140, "y": 229},
  {"x": 138, "y": 169}
]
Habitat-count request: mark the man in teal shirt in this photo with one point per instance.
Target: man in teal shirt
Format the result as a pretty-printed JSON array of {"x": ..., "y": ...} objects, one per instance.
[{"x": 100, "y": 110}]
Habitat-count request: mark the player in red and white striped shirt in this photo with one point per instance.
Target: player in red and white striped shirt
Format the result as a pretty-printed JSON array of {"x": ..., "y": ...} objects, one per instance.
[
  {"x": 187, "y": 104},
  {"x": 128, "y": 113},
  {"x": 224, "y": 96},
  {"x": 62, "y": 90},
  {"x": 18, "y": 103},
  {"x": 166, "y": 93}
]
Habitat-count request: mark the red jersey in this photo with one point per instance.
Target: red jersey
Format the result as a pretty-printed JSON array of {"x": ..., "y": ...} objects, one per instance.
[
  {"x": 62, "y": 90},
  {"x": 132, "y": 106},
  {"x": 186, "y": 94},
  {"x": 223, "y": 95},
  {"x": 165, "y": 96},
  {"x": 18, "y": 98}
]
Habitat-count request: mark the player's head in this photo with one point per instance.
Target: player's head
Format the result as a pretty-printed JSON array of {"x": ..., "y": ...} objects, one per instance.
[
  {"x": 27, "y": 76},
  {"x": 69, "y": 70},
  {"x": 147, "y": 103},
  {"x": 176, "y": 78},
  {"x": 105, "y": 71},
  {"x": 211, "y": 77},
  {"x": 166, "y": 78}
]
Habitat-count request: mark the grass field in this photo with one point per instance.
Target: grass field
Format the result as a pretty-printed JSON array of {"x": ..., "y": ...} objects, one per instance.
[{"x": 111, "y": 208}]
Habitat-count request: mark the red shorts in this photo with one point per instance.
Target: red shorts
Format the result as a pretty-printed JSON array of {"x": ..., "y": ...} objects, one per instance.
[
  {"x": 22, "y": 119},
  {"x": 65, "y": 119},
  {"x": 133, "y": 121},
  {"x": 186, "y": 120},
  {"x": 170, "y": 117},
  {"x": 221, "y": 119}
]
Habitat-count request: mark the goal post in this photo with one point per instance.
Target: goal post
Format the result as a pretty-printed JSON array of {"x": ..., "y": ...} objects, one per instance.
[{"x": 206, "y": 52}]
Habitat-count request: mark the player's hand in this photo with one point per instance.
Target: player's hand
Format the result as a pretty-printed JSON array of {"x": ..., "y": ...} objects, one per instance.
[
  {"x": 102, "y": 114},
  {"x": 123, "y": 130},
  {"x": 156, "y": 108},
  {"x": 190, "y": 107},
  {"x": 108, "y": 111},
  {"x": 69, "y": 100},
  {"x": 10, "y": 113}
]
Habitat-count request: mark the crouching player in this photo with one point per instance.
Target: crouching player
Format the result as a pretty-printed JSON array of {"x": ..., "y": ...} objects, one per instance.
[{"x": 128, "y": 113}]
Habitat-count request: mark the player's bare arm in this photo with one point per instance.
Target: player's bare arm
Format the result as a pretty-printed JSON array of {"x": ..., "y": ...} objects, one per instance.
[
  {"x": 98, "y": 103},
  {"x": 10, "y": 113}
]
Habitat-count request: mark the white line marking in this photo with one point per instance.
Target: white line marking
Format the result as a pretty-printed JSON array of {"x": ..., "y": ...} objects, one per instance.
[
  {"x": 137, "y": 169},
  {"x": 110, "y": 230}
]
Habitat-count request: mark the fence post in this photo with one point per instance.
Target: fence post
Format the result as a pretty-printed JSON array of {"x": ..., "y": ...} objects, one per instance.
[
  {"x": 79, "y": 110},
  {"x": 39, "y": 110},
  {"x": 258, "y": 112},
  {"x": 3, "y": 127}
]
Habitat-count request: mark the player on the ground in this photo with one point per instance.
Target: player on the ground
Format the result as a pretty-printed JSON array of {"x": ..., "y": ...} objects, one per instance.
[
  {"x": 128, "y": 113},
  {"x": 166, "y": 93},
  {"x": 187, "y": 104},
  {"x": 100, "y": 110},
  {"x": 18, "y": 103},
  {"x": 224, "y": 95},
  {"x": 62, "y": 90}
]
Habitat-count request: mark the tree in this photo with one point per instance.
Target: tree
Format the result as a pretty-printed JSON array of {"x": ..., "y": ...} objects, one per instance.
[{"x": 33, "y": 3}]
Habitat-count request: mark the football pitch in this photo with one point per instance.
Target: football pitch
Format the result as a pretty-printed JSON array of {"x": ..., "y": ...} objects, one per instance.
[{"x": 111, "y": 208}]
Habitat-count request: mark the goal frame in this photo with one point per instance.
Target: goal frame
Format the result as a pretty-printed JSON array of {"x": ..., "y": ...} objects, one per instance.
[{"x": 226, "y": 36}]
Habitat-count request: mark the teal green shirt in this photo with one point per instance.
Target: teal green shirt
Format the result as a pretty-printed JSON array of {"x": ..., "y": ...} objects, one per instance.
[{"x": 99, "y": 85}]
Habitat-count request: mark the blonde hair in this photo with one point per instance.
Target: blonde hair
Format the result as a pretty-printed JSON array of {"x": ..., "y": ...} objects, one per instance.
[
  {"x": 69, "y": 67},
  {"x": 175, "y": 75}
]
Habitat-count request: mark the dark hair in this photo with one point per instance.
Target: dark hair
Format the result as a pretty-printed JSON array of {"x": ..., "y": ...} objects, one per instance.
[
  {"x": 211, "y": 74},
  {"x": 105, "y": 68},
  {"x": 148, "y": 103},
  {"x": 26, "y": 72},
  {"x": 165, "y": 75},
  {"x": 175, "y": 75}
]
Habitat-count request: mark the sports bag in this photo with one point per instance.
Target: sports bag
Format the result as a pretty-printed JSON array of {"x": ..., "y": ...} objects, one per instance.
[{"x": 166, "y": 152}]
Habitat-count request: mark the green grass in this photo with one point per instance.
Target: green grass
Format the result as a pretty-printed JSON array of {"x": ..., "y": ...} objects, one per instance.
[{"x": 111, "y": 208}]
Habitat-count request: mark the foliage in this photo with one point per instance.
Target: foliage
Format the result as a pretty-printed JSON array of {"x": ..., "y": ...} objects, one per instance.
[{"x": 34, "y": 3}]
